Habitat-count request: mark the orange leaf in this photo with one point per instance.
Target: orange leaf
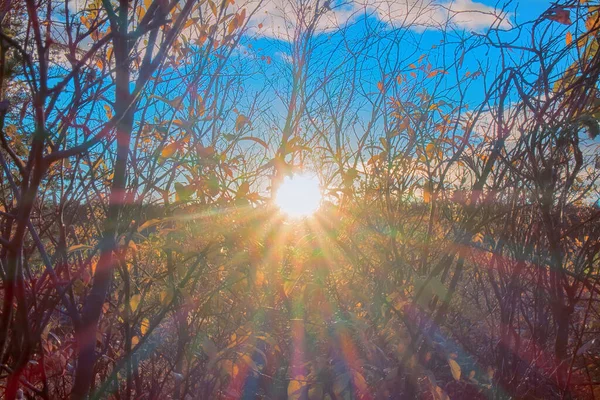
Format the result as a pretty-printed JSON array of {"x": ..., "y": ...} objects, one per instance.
[
  {"x": 569, "y": 38},
  {"x": 426, "y": 196},
  {"x": 169, "y": 150},
  {"x": 429, "y": 150},
  {"x": 240, "y": 122}
]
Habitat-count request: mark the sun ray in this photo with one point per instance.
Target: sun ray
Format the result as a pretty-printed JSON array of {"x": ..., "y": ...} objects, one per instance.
[{"x": 299, "y": 196}]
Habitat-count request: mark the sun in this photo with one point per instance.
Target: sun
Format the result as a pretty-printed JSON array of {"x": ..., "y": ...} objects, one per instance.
[{"x": 299, "y": 196}]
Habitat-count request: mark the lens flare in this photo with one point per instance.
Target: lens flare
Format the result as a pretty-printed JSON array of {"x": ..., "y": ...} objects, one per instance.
[{"x": 299, "y": 196}]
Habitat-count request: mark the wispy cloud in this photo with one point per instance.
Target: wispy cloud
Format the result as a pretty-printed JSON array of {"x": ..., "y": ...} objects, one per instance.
[
  {"x": 421, "y": 14},
  {"x": 281, "y": 18}
]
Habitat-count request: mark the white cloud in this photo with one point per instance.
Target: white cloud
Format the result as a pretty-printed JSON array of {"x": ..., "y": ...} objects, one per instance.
[
  {"x": 421, "y": 14},
  {"x": 472, "y": 15},
  {"x": 281, "y": 18}
]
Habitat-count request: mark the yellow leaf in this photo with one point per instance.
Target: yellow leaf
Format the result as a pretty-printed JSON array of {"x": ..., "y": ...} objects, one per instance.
[
  {"x": 134, "y": 302},
  {"x": 144, "y": 326},
  {"x": 108, "y": 111},
  {"x": 78, "y": 247},
  {"x": 295, "y": 388},
  {"x": 478, "y": 238},
  {"x": 165, "y": 297},
  {"x": 455, "y": 369},
  {"x": 135, "y": 340},
  {"x": 429, "y": 150},
  {"x": 213, "y": 7},
  {"x": 169, "y": 150}
]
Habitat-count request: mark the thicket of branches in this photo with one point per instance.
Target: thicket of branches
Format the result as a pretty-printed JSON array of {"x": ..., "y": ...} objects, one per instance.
[{"x": 455, "y": 256}]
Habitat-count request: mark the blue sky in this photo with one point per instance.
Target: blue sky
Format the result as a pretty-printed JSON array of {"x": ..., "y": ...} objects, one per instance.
[
  {"x": 394, "y": 40},
  {"x": 271, "y": 40}
]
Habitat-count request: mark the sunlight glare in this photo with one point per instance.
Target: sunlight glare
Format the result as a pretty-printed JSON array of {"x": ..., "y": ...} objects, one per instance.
[{"x": 299, "y": 196}]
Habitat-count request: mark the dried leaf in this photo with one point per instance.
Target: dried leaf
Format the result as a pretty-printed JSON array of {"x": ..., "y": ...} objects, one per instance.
[
  {"x": 455, "y": 369},
  {"x": 144, "y": 326},
  {"x": 169, "y": 150},
  {"x": 213, "y": 7},
  {"x": 559, "y": 15},
  {"x": 78, "y": 247},
  {"x": 240, "y": 122},
  {"x": 134, "y": 302},
  {"x": 296, "y": 388}
]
